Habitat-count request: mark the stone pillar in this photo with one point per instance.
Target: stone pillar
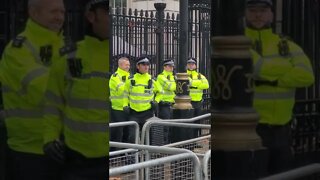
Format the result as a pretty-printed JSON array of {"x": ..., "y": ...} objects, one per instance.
[{"x": 237, "y": 150}]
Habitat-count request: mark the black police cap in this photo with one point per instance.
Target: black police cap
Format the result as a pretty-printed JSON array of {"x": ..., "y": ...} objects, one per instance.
[
  {"x": 259, "y": 2},
  {"x": 94, "y": 4},
  {"x": 192, "y": 60},
  {"x": 143, "y": 60},
  {"x": 168, "y": 62}
]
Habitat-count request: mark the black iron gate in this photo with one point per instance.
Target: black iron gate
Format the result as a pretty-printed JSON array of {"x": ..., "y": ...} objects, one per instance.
[
  {"x": 301, "y": 21},
  {"x": 136, "y": 32}
]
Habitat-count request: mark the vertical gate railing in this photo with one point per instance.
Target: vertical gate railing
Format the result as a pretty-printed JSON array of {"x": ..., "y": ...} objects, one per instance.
[
  {"x": 135, "y": 33},
  {"x": 199, "y": 38},
  {"x": 301, "y": 21}
]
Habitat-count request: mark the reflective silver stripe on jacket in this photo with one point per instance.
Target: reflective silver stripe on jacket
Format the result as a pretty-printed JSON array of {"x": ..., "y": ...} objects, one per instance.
[
  {"x": 33, "y": 50},
  {"x": 86, "y": 126},
  {"x": 257, "y": 68},
  {"x": 304, "y": 66},
  {"x": 141, "y": 94},
  {"x": 96, "y": 74},
  {"x": 87, "y": 103},
  {"x": 140, "y": 101},
  {"x": 168, "y": 93},
  {"x": 297, "y": 53},
  {"x": 196, "y": 91},
  {"x": 118, "y": 86},
  {"x": 258, "y": 65},
  {"x": 26, "y": 81},
  {"x": 6, "y": 89},
  {"x": 116, "y": 97},
  {"x": 23, "y": 113},
  {"x": 52, "y": 110},
  {"x": 54, "y": 98},
  {"x": 279, "y": 95},
  {"x": 29, "y": 77}
]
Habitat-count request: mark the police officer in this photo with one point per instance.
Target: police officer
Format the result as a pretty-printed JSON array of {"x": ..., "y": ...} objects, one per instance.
[
  {"x": 24, "y": 73},
  {"x": 198, "y": 83},
  {"x": 116, "y": 85},
  {"x": 167, "y": 81},
  {"x": 76, "y": 101},
  {"x": 282, "y": 67},
  {"x": 141, "y": 95}
]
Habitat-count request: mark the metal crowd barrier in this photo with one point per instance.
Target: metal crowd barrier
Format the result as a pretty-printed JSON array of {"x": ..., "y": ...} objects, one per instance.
[
  {"x": 173, "y": 170},
  {"x": 128, "y": 123},
  {"x": 120, "y": 158},
  {"x": 203, "y": 119},
  {"x": 175, "y": 163},
  {"x": 311, "y": 171},
  {"x": 206, "y": 165},
  {"x": 198, "y": 145}
]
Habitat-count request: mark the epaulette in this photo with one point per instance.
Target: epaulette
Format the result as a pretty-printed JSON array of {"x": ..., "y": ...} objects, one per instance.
[
  {"x": 150, "y": 82},
  {"x": 154, "y": 78},
  {"x": 283, "y": 46},
  {"x": 18, "y": 41},
  {"x": 109, "y": 75},
  {"x": 199, "y": 76},
  {"x": 115, "y": 74},
  {"x": 68, "y": 48},
  {"x": 285, "y": 37}
]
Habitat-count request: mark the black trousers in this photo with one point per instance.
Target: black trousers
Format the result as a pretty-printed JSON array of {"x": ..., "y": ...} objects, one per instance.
[
  {"x": 27, "y": 166},
  {"x": 197, "y": 106},
  {"x": 278, "y": 140},
  {"x": 78, "y": 167},
  {"x": 165, "y": 113},
  {"x": 118, "y": 134},
  {"x": 140, "y": 118}
]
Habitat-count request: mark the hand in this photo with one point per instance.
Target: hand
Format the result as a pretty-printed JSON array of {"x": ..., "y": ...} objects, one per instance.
[
  {"x": 195, "y": 84},
  {"x": 55, "y": 150},
  {"x": 154, "y": 105},
  {"x": 163, "y": 103},
  {"x": 126, "y": 109},
  {"x": 267, "y": 83}
]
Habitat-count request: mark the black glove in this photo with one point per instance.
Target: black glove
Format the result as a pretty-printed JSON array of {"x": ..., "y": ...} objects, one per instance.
[
  {"x": 55, "y": 150},
  {"x": 126, "y": 109},
  {"x": 164, "y": 103},
  {"x": 267, "y": 83},
  {"x": 154, "y": 105}
]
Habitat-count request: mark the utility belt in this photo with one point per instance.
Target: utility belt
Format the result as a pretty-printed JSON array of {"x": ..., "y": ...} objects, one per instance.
[
  {"x": 165, "y": 103},
  {"x": 137, "y": 113},
  {"x": 265, "y": 83},
  {"x": 76, "y": 158},
  {"x": 275, "y": 126}
]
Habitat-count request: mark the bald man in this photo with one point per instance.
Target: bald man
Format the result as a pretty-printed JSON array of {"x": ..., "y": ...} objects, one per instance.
[
  {"x": 116, "y": 84},
  {"x": 24, "y": 66}
]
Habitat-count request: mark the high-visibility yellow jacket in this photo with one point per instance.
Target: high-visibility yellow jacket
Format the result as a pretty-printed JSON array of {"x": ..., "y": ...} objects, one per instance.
[
  {"x": 168, "y": 84},
  {"x": 198, "y": 83},
  {"x": 77, "y": 106},
  {"x": 140, "y": 90},
  {"x": 24, "y": 77},
  {"x": 274, "y": 103},
  {"x": 116, "y": 85}
]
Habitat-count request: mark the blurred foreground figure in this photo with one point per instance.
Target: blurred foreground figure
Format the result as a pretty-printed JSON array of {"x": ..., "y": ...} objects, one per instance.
[
  {"x": 281, "y": 68},
  {"x": 24, "y": 71},
  {"x": 77, "y": 116}
]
